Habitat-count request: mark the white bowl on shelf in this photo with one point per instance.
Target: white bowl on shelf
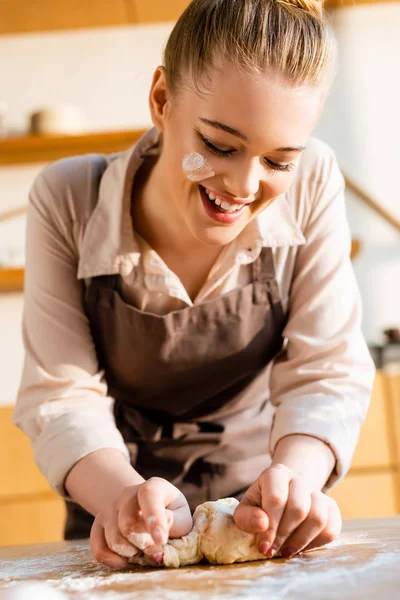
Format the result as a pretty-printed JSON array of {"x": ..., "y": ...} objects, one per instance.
[{"x": 63, "y": 119}]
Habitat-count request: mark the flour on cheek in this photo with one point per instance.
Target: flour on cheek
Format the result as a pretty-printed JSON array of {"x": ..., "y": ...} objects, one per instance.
[{"x": 197, "y": 167}]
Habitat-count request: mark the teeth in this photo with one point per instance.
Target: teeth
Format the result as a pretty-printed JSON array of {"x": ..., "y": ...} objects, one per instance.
[{"x": 224, "y": 205}]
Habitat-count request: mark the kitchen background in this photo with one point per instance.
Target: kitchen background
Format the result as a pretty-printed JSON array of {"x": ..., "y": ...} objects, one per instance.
[{"x": 101, "y": 60}]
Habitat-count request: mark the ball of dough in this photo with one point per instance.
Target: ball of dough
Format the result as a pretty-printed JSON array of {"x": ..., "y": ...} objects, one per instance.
[
  {"x": 214, "y": 537},
  {"x": 31, "y": 591}
]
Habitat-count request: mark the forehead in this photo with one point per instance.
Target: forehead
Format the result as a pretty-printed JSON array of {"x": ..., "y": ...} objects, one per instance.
[{"x": 261, "y": 106}]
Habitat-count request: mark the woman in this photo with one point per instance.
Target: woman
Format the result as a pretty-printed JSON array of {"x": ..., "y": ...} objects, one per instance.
[{"x": 191, "y": 322}]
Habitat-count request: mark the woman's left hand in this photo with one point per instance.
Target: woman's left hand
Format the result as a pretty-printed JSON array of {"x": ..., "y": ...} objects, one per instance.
[{"x": 287, "y": 513}]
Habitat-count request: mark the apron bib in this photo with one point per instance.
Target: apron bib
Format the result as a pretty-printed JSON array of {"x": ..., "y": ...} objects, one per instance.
[{"x": 191, "y": 386}]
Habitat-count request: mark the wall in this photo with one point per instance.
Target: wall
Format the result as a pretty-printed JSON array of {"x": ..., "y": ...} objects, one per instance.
[
  {"x": 107, "y": 72},
  {"x": 361, "y": 122}
]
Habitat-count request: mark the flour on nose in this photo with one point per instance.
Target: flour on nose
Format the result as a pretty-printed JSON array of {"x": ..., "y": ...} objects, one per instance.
[{"x": 197, "y": 167}]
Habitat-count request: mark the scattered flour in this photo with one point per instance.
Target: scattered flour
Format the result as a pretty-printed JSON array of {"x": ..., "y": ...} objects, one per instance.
[{"x": 358, "y": 571}]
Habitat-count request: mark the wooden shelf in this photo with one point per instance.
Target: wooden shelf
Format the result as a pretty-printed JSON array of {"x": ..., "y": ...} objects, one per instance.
[
  {"x": 353, "y": 3},
  {"x": 11, "y": 280},
  {"x": 26, "y": 16},
  {"x": 36, "y": 148}
]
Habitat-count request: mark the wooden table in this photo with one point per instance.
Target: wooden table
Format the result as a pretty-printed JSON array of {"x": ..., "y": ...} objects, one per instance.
[{"x": 363, "y": 564}]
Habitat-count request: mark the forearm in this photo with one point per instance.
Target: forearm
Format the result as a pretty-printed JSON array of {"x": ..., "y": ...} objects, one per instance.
[
  {"x": 99, "y": 478},
  {"x": 306, "y": 455}
]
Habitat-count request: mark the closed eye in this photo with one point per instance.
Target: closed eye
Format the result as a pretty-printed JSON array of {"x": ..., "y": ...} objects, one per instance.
[{"x": 214, "y": 150}]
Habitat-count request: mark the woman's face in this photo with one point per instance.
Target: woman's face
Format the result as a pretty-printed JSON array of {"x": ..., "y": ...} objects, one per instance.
[{"x": 250, "y": 133}]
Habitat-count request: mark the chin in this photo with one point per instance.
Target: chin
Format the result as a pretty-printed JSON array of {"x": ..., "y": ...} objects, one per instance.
[{"x": 213, "y": 237}]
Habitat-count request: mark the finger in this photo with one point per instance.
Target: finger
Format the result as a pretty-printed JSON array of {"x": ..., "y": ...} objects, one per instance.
[
  {"x": 311, "y": 528},
  {"x": 101, "y": 551},
  {"x": 116, "y": 541},
  {"x": 181, "y": 521},
  {"x": 296, "y": 511},
  {"x": 332, "y": 530},
  {"x": 274, "y": 484},
  {"x": 250, "y": 518},
  {"x": 154, "y": 496},
  {"x": 134, "y": 528}
]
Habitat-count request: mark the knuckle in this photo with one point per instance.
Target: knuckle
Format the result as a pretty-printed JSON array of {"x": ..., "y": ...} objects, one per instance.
[
  {"x": 328, "y": 535},
  {"x": 126, "y": 495},
  {"x": 100, "y": 555},
  {"x": 299, "y": 511},
  {"x": 319, "y": 518},
  {"x": 153, "y": 482},
  {"x": 276, "y": 498},
  {"x": 280, "y": 468},
  {"x": 317, "y": 497},
  {"x": 148, "y": 488}
]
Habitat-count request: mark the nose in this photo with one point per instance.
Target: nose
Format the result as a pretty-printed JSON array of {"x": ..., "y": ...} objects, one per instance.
[{"x": 244, "y": 179}]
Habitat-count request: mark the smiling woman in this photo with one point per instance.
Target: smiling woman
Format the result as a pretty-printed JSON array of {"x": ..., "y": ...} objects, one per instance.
[{"x": 191, "y": 318}]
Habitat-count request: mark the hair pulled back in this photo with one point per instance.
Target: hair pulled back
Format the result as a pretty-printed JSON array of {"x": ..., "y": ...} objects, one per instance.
[{"x": 293, "y": 38}]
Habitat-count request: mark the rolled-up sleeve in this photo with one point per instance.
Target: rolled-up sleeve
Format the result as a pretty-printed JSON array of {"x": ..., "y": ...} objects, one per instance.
[
  {"x": 62, "y": 402},
  {"x": 321, "y": 384}
]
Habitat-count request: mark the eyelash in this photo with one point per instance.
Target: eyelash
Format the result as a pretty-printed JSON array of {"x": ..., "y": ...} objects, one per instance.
[{"x": 225, "y": 153}]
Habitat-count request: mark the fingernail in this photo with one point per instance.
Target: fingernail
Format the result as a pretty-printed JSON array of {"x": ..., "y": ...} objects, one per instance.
[
  {"x": 159, "y": 536},
  {"x": 273, "y": 551},
  {"x": 264, "y": 547},
  {"x": 158, "y": 558},
  {"x": 288, "y": 552}
]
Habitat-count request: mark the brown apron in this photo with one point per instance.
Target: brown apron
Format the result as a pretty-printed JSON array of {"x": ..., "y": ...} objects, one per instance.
[{"x": 191, "y": 386}]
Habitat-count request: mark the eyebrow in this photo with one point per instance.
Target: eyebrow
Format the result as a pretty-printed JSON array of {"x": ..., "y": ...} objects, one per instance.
[{"x": 236, "y": 133}]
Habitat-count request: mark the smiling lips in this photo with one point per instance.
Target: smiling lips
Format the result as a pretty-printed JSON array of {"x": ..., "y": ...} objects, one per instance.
[
  {"x": 225, "y": 199},
  {"x": 216, "y": 211}
]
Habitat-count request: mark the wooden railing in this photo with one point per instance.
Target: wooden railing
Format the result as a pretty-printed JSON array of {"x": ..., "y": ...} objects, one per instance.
[
  {"x": 8, "y": 215},
  {"x": 371, "y": 203}
]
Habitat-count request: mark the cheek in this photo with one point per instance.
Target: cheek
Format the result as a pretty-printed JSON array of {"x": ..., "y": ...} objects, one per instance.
[
  {"x": 272, "y": 189},
  {"x": 196, "y": 167},
  {"x": 277, "y": 184}
]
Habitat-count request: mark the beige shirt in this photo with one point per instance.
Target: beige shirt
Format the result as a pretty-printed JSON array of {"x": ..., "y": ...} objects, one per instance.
[{"x": 79, "y": 226}]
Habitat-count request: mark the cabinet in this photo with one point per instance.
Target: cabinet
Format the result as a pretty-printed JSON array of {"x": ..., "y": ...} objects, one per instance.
[
  {"x": 29, "y": 510},
  {"x": 372, "y": 486}
]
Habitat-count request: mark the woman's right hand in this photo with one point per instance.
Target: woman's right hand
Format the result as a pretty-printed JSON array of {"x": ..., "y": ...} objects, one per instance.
[{"x": 141, "y": 519}]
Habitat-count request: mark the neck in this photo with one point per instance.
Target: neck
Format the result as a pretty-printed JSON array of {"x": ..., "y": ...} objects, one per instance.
[{"x": 155, "y": 217}]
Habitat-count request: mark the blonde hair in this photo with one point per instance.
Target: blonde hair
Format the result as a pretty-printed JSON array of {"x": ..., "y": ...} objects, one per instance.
[{"x": 292, "y": 37}]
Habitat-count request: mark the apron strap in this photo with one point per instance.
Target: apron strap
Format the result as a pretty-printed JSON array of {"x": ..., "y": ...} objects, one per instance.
[{"x": 263, "y": 266}]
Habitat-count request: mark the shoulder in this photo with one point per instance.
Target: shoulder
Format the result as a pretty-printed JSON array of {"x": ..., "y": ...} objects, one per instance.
[
  {"x": 318, "y": 161},
  {"x": 318, "y": 180},
  {"x": 68, "y": 187}
]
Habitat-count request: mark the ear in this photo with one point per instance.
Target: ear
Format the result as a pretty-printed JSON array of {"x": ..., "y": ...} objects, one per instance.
[{"x": 159, "y": 101}]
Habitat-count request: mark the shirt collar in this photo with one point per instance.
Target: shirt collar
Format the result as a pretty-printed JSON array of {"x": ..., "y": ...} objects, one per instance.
[
  {"x": 275, "y": 226},
  {"x": 109, "y": 243},
  {"x": 110, "y": 246}
]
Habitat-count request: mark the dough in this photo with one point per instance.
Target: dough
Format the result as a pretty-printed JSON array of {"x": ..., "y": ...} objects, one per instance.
[{"x": 214, "y": 537}]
